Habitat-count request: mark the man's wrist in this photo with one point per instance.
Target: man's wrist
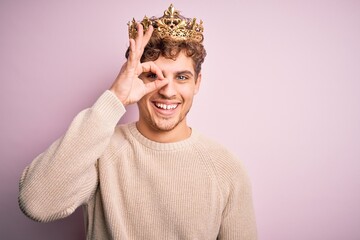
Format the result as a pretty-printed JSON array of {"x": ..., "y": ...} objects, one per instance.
[{"x": 123, "y": 102}]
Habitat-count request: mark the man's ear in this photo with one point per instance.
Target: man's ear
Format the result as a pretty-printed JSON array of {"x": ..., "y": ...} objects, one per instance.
[{"x": 197, "y": 83}]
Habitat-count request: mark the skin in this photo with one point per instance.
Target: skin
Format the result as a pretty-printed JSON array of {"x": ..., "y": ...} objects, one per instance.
[
  {"x": 163, "y": 89},
  {"x": 163, "y": 112}
]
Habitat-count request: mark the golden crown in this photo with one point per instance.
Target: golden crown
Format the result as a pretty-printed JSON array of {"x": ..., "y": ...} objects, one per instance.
[{"x": 171, "y": 24}]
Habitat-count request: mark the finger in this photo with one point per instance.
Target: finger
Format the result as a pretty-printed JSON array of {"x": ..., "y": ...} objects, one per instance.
[
  {"x": 132, "y": 59},
  {"x": 157, "y": 84},
  {"x": 139, "y": 38},
  {"x": 151, "y": 67},
  {"x": 147, "y": 37},
  {"x": 132, "y": 53}
]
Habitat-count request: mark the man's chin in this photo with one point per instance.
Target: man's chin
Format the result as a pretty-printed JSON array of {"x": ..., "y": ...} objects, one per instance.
[{"x": 165, "y": 125}]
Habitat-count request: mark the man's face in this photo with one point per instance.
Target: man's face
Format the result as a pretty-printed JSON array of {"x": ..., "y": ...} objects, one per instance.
[{"x": 166, "y": 108}]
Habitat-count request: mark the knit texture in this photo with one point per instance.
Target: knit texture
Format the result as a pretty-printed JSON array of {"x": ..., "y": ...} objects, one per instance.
[{"x": 135, "y": 188}]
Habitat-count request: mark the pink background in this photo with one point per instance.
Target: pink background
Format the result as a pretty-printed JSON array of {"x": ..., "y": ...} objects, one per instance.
[{"x": 281, "y": 88}]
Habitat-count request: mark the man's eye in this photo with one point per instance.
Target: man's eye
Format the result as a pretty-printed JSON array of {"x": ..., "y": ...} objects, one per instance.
[
  {"x": 152, "y": 76},
  {"x": 182, "y": 77}
]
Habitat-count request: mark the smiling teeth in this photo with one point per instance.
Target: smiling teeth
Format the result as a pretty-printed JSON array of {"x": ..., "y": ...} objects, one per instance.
[{"x": 166, "y": 107}]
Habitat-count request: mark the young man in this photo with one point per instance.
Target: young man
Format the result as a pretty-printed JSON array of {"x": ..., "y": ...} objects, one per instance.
[{"x": 153, "y": 179}]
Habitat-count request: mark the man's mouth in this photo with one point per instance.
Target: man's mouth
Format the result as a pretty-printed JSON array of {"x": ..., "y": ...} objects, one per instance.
[{"x": 166, "y": 106}]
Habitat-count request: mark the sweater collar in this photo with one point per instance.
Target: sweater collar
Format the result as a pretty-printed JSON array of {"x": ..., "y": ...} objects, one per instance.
[{"x": 161, "y": 146}]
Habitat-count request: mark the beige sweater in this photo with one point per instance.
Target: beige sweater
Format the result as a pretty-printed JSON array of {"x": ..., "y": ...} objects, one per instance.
[{"x": 134, "y": 188}]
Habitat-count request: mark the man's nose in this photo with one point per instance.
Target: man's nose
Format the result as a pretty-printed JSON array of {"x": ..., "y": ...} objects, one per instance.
[{"x": 169, "y": 90}]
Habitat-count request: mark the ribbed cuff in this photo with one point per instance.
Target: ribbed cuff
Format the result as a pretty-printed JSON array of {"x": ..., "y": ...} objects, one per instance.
[{"x": 109, "y": 106}]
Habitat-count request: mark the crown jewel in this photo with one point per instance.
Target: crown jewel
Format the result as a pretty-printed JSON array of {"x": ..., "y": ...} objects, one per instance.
[{"x": 171, "y": 24}]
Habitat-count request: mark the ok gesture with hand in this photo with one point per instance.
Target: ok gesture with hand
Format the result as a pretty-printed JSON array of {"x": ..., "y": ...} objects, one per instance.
[{"x": 128, "y": 87}]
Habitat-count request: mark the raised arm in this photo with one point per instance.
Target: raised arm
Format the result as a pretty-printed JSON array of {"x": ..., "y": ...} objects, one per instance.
[{"x": 65, "y": 176}]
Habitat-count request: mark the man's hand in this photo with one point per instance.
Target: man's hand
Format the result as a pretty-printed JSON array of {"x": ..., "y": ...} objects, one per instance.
[{"x": 128, "y": 87}]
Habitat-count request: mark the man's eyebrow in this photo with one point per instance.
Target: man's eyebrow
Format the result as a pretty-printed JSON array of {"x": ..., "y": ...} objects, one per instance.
[{"x": 184, "y": 72}]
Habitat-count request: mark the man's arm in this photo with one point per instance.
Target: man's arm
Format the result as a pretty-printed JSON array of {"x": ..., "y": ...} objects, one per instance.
[
  {"x": 65, "y": 176},
  {"x": 238, "y": 217}
]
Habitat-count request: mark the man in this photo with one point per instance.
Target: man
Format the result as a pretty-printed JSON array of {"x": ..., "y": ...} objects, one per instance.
[{"x": 153, "y": 179}]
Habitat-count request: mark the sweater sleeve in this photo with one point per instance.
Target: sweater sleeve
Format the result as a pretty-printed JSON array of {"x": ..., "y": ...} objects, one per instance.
[
  {"x": 238, "y": 217},
  {"x": 65, "y": 176}
]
